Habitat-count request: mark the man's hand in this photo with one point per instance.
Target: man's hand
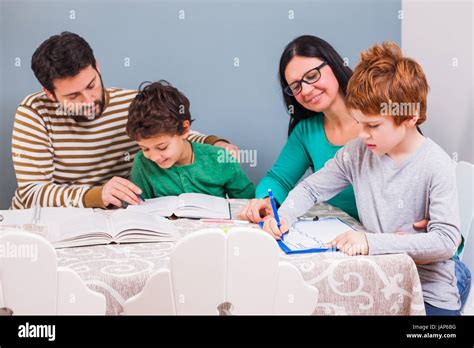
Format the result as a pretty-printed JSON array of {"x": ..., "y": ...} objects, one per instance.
[
  {"x": 351, "y": 242},
  {"x": 118, "y": 190},
  {"x": 231, "y": 148}
]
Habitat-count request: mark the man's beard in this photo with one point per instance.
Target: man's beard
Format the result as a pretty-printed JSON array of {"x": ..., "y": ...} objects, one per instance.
[
  {"x": 80, "y": 115},
  {"x": 98, "y": 109}
]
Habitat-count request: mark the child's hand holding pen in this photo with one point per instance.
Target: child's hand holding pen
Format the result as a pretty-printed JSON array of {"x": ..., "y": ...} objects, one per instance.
[
  {"x": 270, "y": 225},
  {"x": 273, "y": 224}
]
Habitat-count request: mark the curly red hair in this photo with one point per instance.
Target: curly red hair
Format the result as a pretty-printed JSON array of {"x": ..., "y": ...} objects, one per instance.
[{"x": 384, "y": 76}]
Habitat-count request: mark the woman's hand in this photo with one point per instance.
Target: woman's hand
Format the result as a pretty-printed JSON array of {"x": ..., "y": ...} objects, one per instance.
[
  {"x": 421, "y": 225},
  {"x": 351, "y": 242},
  {"x": 256, "y": 210},
  {"x": 271, "y": 227}
]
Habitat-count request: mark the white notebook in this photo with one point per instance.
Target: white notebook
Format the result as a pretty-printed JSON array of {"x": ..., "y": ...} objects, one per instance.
[
  {"x": 72, "y": 227},
  {"x": 310, "y": 236},
  {"x": 188, "y": 205}
]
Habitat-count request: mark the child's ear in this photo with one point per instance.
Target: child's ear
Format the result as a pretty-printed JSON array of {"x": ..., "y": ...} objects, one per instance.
[
  {"x": 411, "y": 121},
  {"x": 187, "y": 129}
]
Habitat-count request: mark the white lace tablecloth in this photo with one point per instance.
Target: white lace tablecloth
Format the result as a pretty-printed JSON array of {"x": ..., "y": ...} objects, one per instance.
[{"x": 357, "y": 285}]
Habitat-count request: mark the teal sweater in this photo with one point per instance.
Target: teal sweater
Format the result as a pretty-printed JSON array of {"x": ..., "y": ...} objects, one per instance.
[
  {"x": 306, "y": 146},
  {"x": 214, "y": 172}
]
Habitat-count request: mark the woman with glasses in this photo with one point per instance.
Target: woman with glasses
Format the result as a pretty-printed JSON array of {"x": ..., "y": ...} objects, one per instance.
[{"x": 313, "y": 79}]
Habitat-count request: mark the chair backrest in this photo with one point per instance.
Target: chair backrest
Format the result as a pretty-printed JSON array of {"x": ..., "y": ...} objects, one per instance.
[
  {"x": 32, "y": 283},
  {"x": 465, "y": 186},
  {"x": 467, "y": 257},
  {"x": 212, "y": 273}
]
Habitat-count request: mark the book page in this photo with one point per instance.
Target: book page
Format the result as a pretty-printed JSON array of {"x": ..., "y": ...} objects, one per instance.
[
  {"x": 162, "y": 206},
  {"x": 81, "y": 226},
  {"x": 56, "y": 214},
  {"x": 314, "y": 234},
  {"x": 198, "y": 205},
  {"x": 128, "y": 225},
  {"x": 17, "y": 216}
]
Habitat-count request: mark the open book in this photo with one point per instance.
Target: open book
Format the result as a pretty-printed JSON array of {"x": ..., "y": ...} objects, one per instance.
[
  {"x": 189, "y": 205},
  {"x": 71, "y": 227},
  {"x": 310, "y": 236}
]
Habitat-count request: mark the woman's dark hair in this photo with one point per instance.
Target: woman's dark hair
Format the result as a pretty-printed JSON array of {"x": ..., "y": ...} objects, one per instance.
[
  {"x": 159, "y": 108},
  {"x": 313, "y": 47},
  {"x": 61, "y": 56}
]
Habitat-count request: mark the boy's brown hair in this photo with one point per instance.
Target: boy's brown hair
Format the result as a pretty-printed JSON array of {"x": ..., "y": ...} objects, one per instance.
[
  {"x": 384, "y": 77},
  {"x": 159, "y": 108}
]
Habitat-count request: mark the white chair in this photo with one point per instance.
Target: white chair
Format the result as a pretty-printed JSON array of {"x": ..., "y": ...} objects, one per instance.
[
  {"x": 465, "y": 186},
  {"x": 468, "y": 258},
  {"x": 212, "y": 272},
  {"x": 31, "y": 283}
]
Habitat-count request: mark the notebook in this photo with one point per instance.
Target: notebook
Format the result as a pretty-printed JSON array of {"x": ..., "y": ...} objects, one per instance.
[
  {"x": 73, "y": 227},
  {"x": 186, "y": 205},
  {"x": 310, "y": 236}
]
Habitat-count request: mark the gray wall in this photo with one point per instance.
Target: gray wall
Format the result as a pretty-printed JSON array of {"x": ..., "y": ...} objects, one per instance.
[
  {"x": 242, "y": 104},
  {"x": 449, "y": 72}
]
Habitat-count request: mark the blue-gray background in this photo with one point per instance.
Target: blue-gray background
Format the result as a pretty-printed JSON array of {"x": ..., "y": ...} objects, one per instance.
[{"x": 242, "y": 104}]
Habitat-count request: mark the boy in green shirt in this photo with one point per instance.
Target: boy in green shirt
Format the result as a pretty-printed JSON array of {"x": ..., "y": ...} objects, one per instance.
[{"x": 168, "y": 164}]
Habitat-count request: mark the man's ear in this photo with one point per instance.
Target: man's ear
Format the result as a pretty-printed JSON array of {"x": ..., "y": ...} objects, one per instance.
[
  {"x": 187, "y": 129},
  {"x": 49, "y": 95}
]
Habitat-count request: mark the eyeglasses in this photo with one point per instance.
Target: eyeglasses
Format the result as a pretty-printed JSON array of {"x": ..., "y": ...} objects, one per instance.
[{"x": 309, "y": 77}]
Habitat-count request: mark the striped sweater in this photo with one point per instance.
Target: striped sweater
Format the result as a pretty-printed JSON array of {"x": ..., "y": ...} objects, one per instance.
[{"x": 62, "y": 163}]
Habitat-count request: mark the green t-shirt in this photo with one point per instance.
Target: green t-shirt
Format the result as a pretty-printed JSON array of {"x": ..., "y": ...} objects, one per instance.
[
  {"x": 214, "y": 172},
  {"x": 306, "y": 146}
]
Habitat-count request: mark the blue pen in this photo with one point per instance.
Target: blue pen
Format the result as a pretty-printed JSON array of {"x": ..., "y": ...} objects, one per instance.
[
  {"x": 261, "y": 223},
  {"x": 274, "y": 208}
]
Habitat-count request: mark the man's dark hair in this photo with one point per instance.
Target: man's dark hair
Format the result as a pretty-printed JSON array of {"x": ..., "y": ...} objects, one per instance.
[
  {"x": 61, "y": 56},
  {"x": 159, "y": 108}
]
